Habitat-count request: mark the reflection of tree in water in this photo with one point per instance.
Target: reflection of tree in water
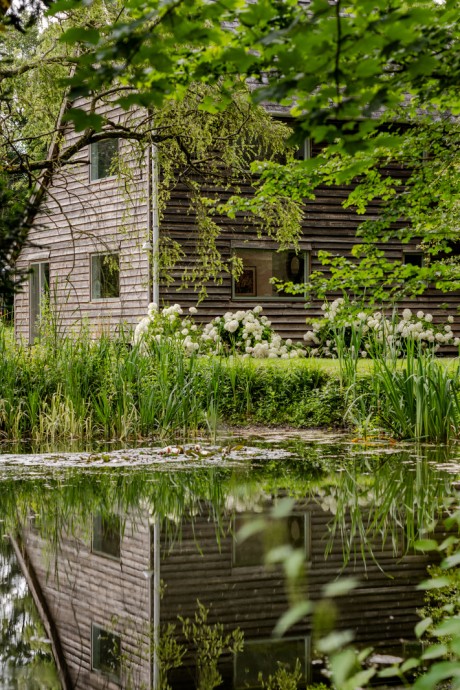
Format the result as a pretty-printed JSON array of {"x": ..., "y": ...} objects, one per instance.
[{"x": 25, "y": 657}]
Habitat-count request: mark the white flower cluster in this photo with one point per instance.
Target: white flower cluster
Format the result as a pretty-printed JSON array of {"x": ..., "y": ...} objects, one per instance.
[
  {"x": 375, "y": 331},
  {"x": 246, "y": 333},
  {"x": 167, "y": 324},
  {"x": 249, "y": 334}
]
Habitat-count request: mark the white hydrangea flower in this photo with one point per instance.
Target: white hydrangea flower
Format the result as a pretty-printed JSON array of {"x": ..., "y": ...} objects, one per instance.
[
  {"x": 450, "y": 319},
  {"x": 407, "y": 314},
  {"x": 193, "y": 310},
  {"x": 420, "y": 314},
  {"x": 231, "y": 326},
  {"x": 429, "y": 317}
]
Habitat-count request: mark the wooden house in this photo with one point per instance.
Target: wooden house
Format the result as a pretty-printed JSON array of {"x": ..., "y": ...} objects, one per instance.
[
  {"x": 90, "y": 248},
  {"x": 98, "y": 591}
]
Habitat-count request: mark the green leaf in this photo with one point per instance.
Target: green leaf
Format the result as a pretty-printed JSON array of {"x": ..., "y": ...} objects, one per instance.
[
  {"x": 435, "y": 651},
  {"x": 409, "y": 664},
  {"x": 83, "y": 120},
  {"x": 342, "y": 666},
  {"x": 342, "y": 586},
  {"x": 423, "y": 626},
  {"x": 250, "y": 529},
  {"x": 292, "y": 616},
  {"x": 426, "y": 545},
  {"x": 283, "y": 508},
  {"x": 80, "y": 35},
  {"x": 448, "y": 627},
  {"x": 451, "y": 561},
  {"x": 434, "y": 583},
  {"x": 334, "y": 641}
]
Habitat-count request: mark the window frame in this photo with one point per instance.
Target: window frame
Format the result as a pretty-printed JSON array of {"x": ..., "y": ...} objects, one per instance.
[
  {"x": 413, "y": 252},
  {"x": 304, "y": 249},
  {"x": 91, "y": 155},
  {"x": 101, "y": 254},
  {"x": 306, "y": 665},
  {"x": 304, "y": 515},
  {"x": 104, "y": 554},
  {"x": 43, "y": 289},
  {"x": 115, "y": 678}
]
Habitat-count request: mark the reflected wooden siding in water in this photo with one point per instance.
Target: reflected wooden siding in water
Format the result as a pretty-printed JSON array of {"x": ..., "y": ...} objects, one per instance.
[{"x": 84, "y": 589}]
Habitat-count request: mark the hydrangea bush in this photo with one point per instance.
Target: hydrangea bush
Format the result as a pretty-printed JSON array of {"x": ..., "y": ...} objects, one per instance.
[
  {"x": 246, "y": 333},
  {"x": 170, "y": 324},
  {"x": 376, "y": 332}
]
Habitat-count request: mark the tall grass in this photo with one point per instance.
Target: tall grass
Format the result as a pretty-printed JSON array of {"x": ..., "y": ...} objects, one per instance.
[{"x": 106, "y": 388}]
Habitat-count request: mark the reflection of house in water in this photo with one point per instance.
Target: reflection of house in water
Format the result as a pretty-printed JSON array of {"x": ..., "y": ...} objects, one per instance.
[{"x": 101, "y": 597}]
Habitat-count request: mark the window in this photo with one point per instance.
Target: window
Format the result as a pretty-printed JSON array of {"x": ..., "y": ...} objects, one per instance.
[
  {"x": 105, "y": 276},
  {"x": 261, "y": 265},
  {"x": 293, "y": 530},
  {"x": 266, "y": 656},
  {"x": 103, "y": 156},
  {"x": 413, "y": 259},
  {"x": 38, "y": 291},
  {"x": 106, "y": 652},
  {"x": 304, "y": 152},
  {"x": 107, "y": 535}
]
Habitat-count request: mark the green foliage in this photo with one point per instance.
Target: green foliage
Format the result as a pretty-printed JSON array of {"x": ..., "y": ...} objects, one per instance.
[
  {"x": 283, "y": 679},
  {"x": 210, "y": 643}
]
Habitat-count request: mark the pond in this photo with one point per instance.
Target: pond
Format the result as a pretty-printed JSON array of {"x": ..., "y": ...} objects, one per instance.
[{"x": 173, "y": 567}]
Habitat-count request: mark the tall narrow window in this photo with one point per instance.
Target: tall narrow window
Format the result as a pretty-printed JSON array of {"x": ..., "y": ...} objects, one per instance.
[
  {"x": 106, "y": 652},
  {"x": 38, "y": 290},
  {"x": 105, "y": 276},
  {"x": 261, "y": 265},
  {"x": 103, "y": 159}
]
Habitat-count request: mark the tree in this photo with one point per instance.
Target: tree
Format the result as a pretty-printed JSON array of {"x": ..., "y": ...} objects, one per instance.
[
  {"x": 349, "y": 70},
  {"x": 375, "y": 81},
  {"x": 205, "y": 144}
]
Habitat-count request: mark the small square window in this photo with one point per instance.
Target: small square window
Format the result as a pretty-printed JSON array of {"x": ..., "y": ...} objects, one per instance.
[
  {"x": 413, "y": 259},
  {"x": 107, "y": 535},
  {"x": 103, "y": 156},
  {"x": 106, "y": 652},
  {"x": 293, "y": 530},
  {"x": 261, "y": 265},
  {"x": 105, "y": 276}
]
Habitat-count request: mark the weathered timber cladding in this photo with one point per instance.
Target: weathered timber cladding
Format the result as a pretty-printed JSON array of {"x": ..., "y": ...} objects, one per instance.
[
  {"x": 326, "y": 226},
  {"x": 380, "y": 610},
  {"x": 79, "y": 218},
  {"x": 82, "y": 588}
]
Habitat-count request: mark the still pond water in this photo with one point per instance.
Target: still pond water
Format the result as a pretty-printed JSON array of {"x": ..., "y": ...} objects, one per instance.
[{"x": 105, "y": 553}]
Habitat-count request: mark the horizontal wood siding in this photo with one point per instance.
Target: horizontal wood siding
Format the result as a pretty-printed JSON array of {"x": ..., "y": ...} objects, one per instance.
[
  {"x": 82, "y": 588},
  {"x": 326, "y": 226},
  {"x": 79, "y": 218}
]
